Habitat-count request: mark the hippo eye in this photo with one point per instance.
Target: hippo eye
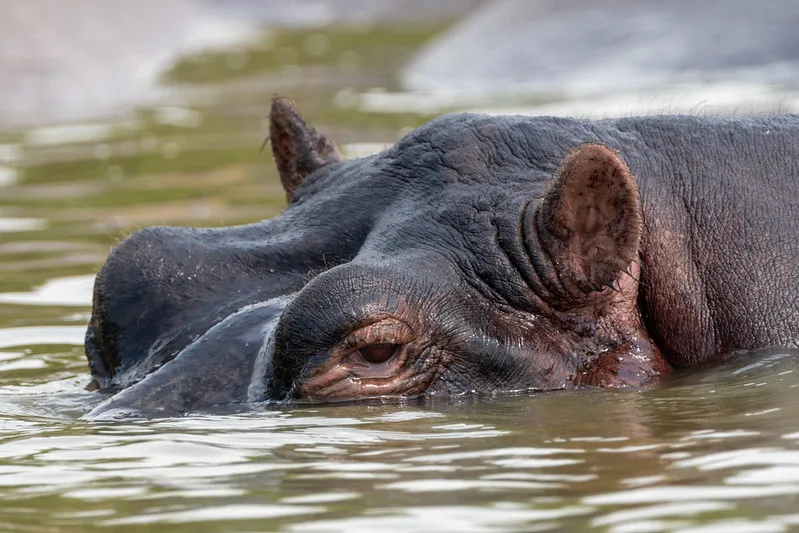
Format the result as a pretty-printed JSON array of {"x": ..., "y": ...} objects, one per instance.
[
  {"x": 378, "y": 353},
  {"x": 379, "y": 347}
]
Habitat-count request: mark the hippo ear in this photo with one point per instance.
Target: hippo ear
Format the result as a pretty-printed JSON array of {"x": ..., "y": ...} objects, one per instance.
[
  {"x": 590, "y": 221},
  {"x": 297, "y": 147}
]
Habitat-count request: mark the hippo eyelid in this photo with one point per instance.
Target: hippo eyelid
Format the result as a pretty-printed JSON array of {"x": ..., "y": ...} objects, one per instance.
[{"x": 390, "y": 331}]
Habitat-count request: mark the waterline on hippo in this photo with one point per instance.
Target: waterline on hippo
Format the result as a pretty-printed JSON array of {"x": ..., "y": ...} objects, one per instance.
[{"x": 478, "y": 254}]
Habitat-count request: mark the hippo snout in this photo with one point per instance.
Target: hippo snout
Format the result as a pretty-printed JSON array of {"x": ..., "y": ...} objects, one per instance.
[{"x": 227, "y": 364}]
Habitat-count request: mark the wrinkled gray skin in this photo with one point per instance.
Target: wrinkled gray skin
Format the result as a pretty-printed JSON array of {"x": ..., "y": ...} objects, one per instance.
[{"x": 478, "y": 254}]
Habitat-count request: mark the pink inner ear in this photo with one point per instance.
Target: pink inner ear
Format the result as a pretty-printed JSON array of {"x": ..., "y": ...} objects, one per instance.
[
  {"x": 592, "y": 216},
  {"x": 591, "y": 223}
]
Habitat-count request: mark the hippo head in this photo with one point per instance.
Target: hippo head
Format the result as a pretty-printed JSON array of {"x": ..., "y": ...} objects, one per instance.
[{"x": 478, "y": 254}]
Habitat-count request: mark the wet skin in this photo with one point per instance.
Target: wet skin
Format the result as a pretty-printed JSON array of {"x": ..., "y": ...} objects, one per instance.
[{"x": 478, "y": 254}]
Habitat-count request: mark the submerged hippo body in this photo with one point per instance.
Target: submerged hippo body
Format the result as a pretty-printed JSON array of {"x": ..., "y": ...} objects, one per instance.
[{"x": 479, "y": 253}]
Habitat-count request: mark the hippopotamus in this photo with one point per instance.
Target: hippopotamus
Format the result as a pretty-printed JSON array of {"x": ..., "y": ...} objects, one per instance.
[{"x": 477, "y": 255}]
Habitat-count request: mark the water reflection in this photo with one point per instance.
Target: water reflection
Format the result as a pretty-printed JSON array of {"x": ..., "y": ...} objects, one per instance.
[
  {"x": 39, "y": 335},
  {"x": 13, "y": 225},
  {"x": 68, "y": 291},
  {"x": 357, "y": 467},
  {"x": 8, "y": 176}
]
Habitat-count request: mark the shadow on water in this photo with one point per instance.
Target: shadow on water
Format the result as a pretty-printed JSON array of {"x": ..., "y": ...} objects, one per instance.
[{"x": 716, "y": 449}]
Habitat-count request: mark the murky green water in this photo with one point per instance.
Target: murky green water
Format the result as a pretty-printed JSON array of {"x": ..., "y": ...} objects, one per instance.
[{"x": 711, "y": 452}]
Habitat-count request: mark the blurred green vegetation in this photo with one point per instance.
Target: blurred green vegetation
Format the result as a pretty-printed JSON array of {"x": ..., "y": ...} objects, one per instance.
[
  {"x": 348, "y": 49},
  {"x": 10, "y": 137},
  {"x": 144, "y": 164}
]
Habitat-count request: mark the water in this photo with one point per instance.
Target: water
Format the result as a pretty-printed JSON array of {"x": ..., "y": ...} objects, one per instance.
[{"x": 712, "y": 451}]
